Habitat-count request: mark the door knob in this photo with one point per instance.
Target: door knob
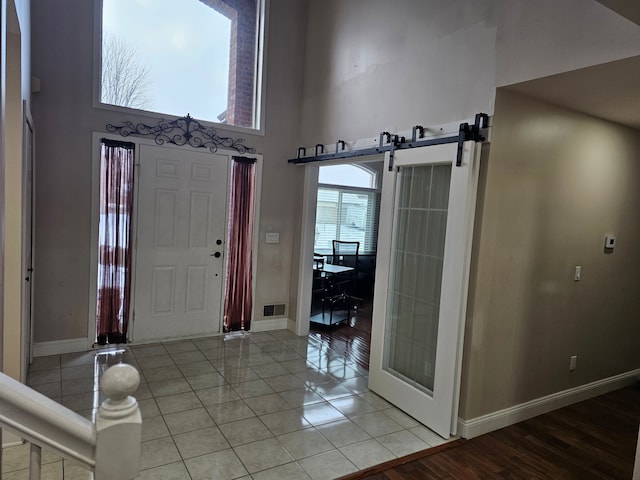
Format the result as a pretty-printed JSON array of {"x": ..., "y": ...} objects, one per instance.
[{"x": 217, "y": 254}]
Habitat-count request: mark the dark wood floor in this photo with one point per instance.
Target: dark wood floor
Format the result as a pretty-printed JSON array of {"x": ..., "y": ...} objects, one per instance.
[
  {"x": 350, "y": 338},
  {"x": 594, "y": 439}
]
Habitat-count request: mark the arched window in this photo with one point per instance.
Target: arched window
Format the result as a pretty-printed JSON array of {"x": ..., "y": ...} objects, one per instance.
[
  {"x": 353, "y": 175},
  {"x": 347, "y": 207}
]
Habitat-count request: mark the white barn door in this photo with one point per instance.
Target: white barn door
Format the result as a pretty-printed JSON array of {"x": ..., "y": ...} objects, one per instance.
[
  {"x": 181, "y": 236},
  {"x": 424, "y": 249}
]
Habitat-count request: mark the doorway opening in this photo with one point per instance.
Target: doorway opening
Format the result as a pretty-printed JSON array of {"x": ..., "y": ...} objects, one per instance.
[{"x": 345, "y": 242}]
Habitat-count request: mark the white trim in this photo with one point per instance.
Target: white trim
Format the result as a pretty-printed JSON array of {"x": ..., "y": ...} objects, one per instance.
[
  {"x": 57, "y": 347},
  {"x": 28, "y": 251},
  {"x": 471, "y": 191},
  {"x": 255, "y": 248},
  {"x": 10, "y": 439},
  {"x": 269, "y": 324},
  {"x": 305, "y": 262},
  {"x": 291, "y": 325},
  {"x": 307, "y": 236},
  {"x": 259, "y": 79},
  {"x": 509, "y": 416}
]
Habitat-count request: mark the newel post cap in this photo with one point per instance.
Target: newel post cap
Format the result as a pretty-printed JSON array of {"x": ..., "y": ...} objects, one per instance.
[{"x": 118, "y": 382}]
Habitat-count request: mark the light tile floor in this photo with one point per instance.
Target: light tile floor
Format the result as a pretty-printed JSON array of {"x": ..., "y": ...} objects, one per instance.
[{"x": 266, "y": 405}]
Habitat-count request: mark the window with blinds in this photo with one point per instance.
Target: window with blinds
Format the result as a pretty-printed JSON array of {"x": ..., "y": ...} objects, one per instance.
[{"x": 346, "y": 214}]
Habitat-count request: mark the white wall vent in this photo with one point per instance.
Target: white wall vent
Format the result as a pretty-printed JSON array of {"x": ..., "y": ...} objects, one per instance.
[{"x": 275, "y": 310}]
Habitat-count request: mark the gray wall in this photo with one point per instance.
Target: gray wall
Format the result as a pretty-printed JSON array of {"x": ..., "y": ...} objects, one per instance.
[
  {"x": 374, "y": 65},
  {"x": 65, "y": 119},
  {"x": 554, "y": 184}
]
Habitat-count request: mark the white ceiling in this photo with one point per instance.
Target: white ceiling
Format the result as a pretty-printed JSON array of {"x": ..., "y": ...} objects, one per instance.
[{"x": 610, "y": 91}]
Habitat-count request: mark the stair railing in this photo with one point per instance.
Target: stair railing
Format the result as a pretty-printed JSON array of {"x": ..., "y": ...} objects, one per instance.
[{"x": 110, "y": 447}]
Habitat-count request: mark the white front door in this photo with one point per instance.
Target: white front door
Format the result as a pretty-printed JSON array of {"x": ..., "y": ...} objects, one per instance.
[
  {"x": 181, "y": 236},
  {"x": 424, "y": 247}
]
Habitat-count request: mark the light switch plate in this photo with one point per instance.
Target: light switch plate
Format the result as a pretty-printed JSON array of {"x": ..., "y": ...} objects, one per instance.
[{"x": 610, "y": 241}]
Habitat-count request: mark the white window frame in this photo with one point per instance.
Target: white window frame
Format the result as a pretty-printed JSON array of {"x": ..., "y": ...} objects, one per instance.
[
  {"x": 341, "y": 189},
  {"x": 259, "y": 84}
]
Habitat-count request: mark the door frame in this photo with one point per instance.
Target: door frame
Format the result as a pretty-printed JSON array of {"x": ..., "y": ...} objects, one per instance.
[
  {"x": 307, "y": 235},
  {"x": 95, "y": 203},
  {"x": 305, "y": 261},
  {"x": 28, "y": 222}
]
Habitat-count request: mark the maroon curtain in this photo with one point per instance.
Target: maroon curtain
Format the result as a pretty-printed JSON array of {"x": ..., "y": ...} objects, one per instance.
[
  {"x": 114, "y": 248},
  {"x": 237, "y": 300}
]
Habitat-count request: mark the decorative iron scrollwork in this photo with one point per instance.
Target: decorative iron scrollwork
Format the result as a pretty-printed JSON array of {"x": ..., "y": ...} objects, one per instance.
[{"x": 182, "y": 131}]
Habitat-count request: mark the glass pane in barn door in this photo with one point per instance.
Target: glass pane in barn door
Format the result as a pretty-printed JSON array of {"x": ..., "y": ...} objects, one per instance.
[
  {"x": 426, "y": 222},
  {"x": 416, "y": 274}
]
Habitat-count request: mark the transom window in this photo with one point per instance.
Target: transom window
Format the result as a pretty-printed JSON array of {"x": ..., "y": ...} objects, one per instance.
[
  {"x": 175, "y": 57},
  {"x": 347, "y": 207}
]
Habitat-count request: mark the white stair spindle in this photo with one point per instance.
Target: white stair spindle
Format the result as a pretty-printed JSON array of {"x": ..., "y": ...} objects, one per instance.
[
  {"x": 35, "y": 462},
  {"x": 118, "y": 425}
]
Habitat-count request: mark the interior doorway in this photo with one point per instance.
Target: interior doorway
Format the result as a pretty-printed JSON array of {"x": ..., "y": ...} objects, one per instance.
[{"x": 344, "y": 251}]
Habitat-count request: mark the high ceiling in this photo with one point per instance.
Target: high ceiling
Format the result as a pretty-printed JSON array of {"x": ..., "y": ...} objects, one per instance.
[{"x": 610, "y": 91}]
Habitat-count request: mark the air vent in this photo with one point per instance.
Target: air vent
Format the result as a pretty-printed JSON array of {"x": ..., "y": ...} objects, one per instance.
[{"x": 276, "y": 310}]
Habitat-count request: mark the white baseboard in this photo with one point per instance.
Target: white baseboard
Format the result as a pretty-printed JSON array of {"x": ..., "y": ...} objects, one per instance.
[
  {"x": 57, "y": 347},
  {"x": 73, "y": 345},
  {"x": 269, "y": 324},
  {"x": 509, "y": 416},
  {"x": 291, "y": 325}
]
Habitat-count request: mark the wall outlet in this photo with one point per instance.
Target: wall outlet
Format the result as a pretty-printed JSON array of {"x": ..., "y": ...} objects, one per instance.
[
  {"x": 573, "y": 362},
  {"x": 609, "y": 241},
  {"x": 272, "y": 238}
]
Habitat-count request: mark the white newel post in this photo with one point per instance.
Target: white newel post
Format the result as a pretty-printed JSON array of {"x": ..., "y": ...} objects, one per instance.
[{"x": 118, "y": 425}]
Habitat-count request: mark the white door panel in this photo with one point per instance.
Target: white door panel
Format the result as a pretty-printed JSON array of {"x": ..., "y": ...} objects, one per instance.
[
  {"x": 182, "y": 218},
  {"x": 426, "y": 223}
]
